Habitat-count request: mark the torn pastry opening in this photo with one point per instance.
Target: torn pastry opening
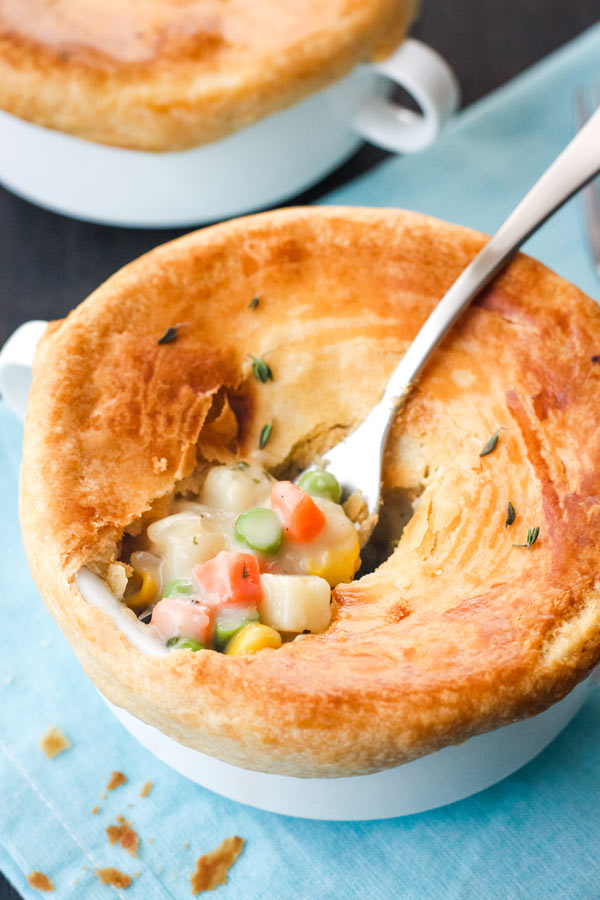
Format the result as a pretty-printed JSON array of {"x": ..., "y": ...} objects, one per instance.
[{"x": 238, "y": 561}]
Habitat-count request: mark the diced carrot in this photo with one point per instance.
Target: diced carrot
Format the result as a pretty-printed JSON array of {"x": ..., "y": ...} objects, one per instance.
[
  {"x": 230, "y": 578},
  {"x": 299, "y": 514},
  {"x": 182, "y": 617}
]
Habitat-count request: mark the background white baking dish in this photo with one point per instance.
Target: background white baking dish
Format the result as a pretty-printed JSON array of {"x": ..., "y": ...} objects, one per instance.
[
  {"x": 433, "y": 781},
  {"x": 256, "y": 167}
]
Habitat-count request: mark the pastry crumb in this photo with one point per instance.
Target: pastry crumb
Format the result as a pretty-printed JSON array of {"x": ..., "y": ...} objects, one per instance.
[
  {"x": 146, "y": 789},
  {"x": 186, "y": 845},
  {"x": 116, "y": 779},
  {"x": 116, "y": 579},
  {"x": 8, "y": 680},
  {"x": 159, "y": 465},
  {"x": 40, "y": 882},
  {"x": 159, "y": 871},
  {"x": 54, "y": 742},
  {"x": 95, "y": 810},
  {"x": 124, "y": 834},
  {"x": 150, "y": 840},
  {"x": 114, "y": 877},
  {"x": 212, "y": 868}
]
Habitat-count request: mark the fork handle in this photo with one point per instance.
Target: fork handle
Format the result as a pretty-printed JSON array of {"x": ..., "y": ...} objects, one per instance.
[{"x": 577, "y": 164}]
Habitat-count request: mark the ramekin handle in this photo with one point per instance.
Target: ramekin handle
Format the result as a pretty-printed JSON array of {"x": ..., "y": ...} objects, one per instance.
[
  {"x": 430, "y": 80},
  {"x": 16, "y": 361}
]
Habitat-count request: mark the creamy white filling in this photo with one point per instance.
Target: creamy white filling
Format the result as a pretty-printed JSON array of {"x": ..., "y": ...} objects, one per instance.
[
  {"x": 196, "y": 531},
  {"x": 296, "y": 579},
  {"x": 97, "y": 594}
]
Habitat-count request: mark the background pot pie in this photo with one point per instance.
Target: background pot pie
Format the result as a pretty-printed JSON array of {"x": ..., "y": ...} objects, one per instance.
[
  {"x": 459, "y": 631},
  {"x": 157, "y": 75}
]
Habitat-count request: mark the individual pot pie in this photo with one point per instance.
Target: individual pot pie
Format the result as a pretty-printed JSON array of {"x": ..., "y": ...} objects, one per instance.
[
  {"x": 152, "y": 396},
  {"x": 158, "y": 75}
]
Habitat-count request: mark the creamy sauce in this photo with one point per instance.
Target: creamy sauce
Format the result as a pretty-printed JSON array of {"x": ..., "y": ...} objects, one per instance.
[
  {"x": 98, "y": 595},
  {"x": 293, "y": 579},
  {"x": 196, "y": 531}
]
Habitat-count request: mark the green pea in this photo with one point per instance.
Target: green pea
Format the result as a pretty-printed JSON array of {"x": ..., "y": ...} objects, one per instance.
[
  {"x": 179, "y": 587},
  {"x": 178, "y": 643},
  {"x": 321, "y": 484},
  {"x": 260, "y": 529},
  {"x": 229, "y": 622}
]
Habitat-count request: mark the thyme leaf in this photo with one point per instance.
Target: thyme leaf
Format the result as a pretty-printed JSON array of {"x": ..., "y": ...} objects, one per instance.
[
  {"x": 244, "y": 571},
  {"x": 169, "y": 336},
  {"x": 261, "y": 369},
  {"x": 532, "y": 536},
  {"x": 510, "y": 515},
  {"x": 491, "y": 445},
  {"x": 265, "y": 434},
  {"x": 254, "y": 302}
]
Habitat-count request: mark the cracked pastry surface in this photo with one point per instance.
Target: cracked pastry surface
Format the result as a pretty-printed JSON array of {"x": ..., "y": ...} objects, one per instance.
[
  {"x": 458, "y": 632},
  {"x": 160, "y": 75}
]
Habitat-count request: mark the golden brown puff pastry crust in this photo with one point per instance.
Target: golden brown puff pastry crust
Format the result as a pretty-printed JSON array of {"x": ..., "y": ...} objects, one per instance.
[
  {"x": 458, "y": 632},
  {"x": 172, "y": 74}
]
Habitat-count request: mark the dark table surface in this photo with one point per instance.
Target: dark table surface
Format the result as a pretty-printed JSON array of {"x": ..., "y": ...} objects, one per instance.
[{"x": 49, "y": 263}]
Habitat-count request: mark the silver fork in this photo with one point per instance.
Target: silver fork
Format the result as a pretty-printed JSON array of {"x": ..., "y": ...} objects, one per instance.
[
  {"x": 591, "y": 193},
  {"x": 357, "y": 460}
]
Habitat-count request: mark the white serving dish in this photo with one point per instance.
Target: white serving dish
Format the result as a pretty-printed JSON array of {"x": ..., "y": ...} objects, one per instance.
[
  {"x": 435, "y": 780},
  {"x": 257, "y": 167}
]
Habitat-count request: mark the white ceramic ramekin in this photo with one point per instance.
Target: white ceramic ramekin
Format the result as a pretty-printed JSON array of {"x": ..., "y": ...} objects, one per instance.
[
  {"x": 433, "y": 781},
  {"x": 259, "y": 166}
]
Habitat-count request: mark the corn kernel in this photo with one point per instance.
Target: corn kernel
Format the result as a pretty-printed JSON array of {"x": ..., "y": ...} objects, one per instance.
[
  {"x": 146, "y": 593},
  {"x": 336, "y": 566},
  {"x": 253, "y": 637}
]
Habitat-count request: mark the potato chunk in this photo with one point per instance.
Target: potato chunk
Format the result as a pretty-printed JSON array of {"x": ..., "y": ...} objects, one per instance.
[
  {"x": 295, "y": 603},
  {"x": 236, "y": 488},
  {"x": 188, "y": 538}
]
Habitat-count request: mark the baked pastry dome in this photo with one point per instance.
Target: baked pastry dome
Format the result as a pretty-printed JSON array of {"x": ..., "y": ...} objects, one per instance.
[
  {"x": 162, "y": 75},
  {"x": 458, "y": 631}
]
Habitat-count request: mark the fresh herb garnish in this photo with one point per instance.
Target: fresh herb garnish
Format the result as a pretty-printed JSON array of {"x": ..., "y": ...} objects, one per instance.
[
  {"x": 244, "y": 571},
  {"x": 491, "y": 444},
  {"x": 532, "y": 536},
  {"x": 265, "y": 434},
  {"x": 242, "y": 464},
  {"x": 261, "y": 369},
  {"x": 194, "y": 540},
  {"x": 254, "y": 302},
  {"x": 169, "y": 336},
  {"x": 510, "y": 515}
]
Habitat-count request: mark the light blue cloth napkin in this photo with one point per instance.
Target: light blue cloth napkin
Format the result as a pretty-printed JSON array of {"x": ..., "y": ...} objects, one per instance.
[{"x": 535, "y": 835}]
